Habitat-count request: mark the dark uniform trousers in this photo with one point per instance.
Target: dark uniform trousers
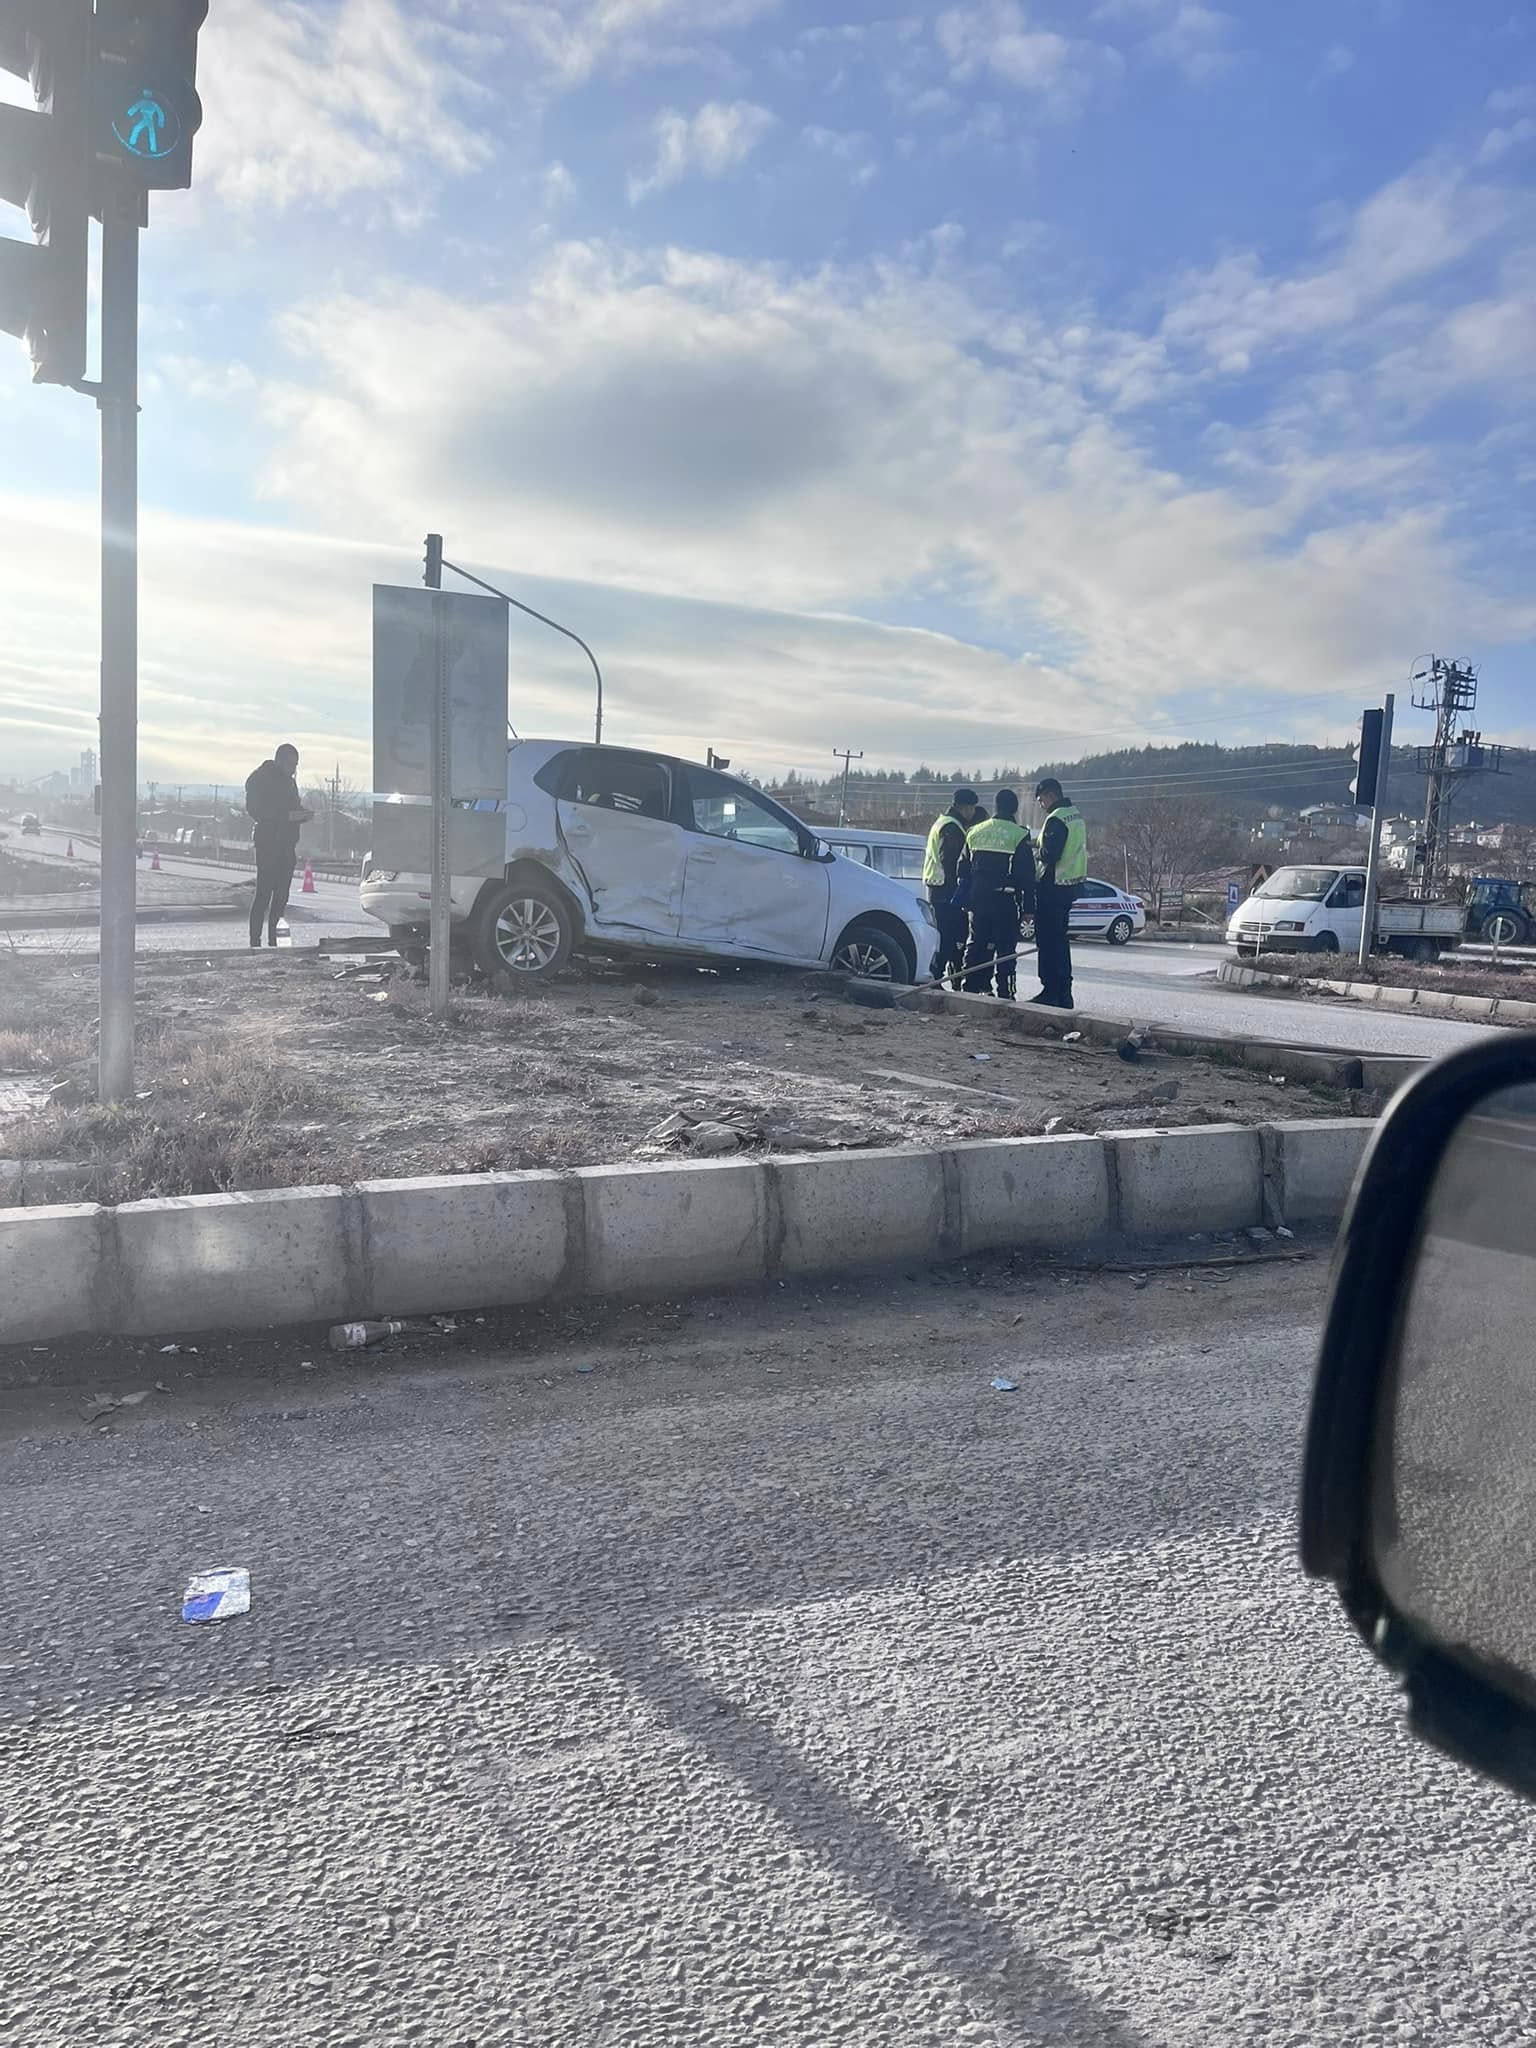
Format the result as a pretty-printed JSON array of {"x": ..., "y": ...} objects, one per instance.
[
  {"x": 1053, "y": 906},
  {"x": 994, "y": 936}
]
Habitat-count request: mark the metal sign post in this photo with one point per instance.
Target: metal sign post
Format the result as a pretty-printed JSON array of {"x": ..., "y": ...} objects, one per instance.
[
  {"x": 1373, "y": 857},
  {"x": 440, "y": 914},
  {"x": 118, "y": 402}
]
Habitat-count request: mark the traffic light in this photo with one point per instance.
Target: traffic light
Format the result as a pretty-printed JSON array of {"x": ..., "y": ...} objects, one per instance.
[
  {"x": 146, "y": 109},
  {"x": 45, "y": 158},
  {"x": 1368, "y": 760}
]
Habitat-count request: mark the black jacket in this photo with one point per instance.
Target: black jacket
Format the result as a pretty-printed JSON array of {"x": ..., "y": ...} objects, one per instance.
[
  {"x": 988, "y": 873},
  {"x": 270, "y": 794}
]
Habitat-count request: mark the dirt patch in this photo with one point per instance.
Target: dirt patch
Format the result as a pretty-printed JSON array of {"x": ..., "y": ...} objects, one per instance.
[
  {"x": 281, "y": 1072},
  {"x": 1464, "y": 979}
]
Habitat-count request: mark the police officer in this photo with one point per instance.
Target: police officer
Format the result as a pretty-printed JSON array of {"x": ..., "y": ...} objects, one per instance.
[
  {"x": 1063, "y": 869},
  {"x": 941, "y": 866},
  {"x": 998, "y": 866}
]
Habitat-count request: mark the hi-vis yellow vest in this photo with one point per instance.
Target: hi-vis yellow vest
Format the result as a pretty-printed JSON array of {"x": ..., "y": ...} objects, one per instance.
[
  {"x": 1073, "y": 864},
  {"x": 995, "y": 835},
  {"x": 933, "y": 860}
]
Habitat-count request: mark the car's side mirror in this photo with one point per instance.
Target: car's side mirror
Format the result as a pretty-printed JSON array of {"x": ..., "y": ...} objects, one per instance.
[
  {"x": 1419, "y": 1486},
  {"x": 818, "y": 849}
]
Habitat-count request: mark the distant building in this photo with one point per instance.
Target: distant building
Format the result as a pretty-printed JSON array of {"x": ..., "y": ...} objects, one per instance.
[{"x": 1320, "y": 820}]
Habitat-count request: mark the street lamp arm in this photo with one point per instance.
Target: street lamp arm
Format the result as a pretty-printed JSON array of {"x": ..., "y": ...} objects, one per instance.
[{"x": 518, "y": 604}]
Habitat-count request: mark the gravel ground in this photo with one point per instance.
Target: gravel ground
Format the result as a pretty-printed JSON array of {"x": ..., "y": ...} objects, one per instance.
[
  {"x": 773, "y": 1680},
  {"x": 350, "y": 1078}
]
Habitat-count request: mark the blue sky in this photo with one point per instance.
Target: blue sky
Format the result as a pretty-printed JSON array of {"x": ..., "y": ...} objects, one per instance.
[{"x": 970, "y": 383}]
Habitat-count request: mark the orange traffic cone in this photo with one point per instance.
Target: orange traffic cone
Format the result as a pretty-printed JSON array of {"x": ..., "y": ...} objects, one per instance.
[
  {"x": 69, "y": 850},
  {"x": 155, "y": 861},
  {"x": 307, "y": 887}
]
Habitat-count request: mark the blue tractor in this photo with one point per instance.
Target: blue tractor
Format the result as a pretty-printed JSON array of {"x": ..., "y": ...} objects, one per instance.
[{"x": 1501, "y": 912}]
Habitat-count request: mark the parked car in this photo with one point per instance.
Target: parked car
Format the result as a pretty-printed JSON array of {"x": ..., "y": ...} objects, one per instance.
[
  {"x": 1104, "y": 912},
  {"x": 1100, "y": 912},
  {"x": 897, "y": 854},
  {"x": 31, "y": 823},
  {"x": 613, "y": 849}
]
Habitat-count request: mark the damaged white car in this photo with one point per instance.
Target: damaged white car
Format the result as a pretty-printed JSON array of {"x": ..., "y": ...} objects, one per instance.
[{"x": 615, "y": 850}]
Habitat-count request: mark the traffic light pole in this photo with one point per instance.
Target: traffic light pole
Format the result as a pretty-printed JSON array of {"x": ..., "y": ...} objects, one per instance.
[
  {"x": 118, "y": 402},
  {"x": 1373, "y": 857}
]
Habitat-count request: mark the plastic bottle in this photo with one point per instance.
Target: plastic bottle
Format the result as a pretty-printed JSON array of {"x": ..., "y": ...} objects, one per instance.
[{"x": 358, "y": 1336}]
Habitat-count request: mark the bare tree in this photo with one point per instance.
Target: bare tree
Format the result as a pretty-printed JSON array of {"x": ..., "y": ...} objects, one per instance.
[{"x": 1172, "y": 842}]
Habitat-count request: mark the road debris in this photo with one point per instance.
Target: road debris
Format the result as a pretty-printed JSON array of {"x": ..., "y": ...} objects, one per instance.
[
  {"x": 359, "y": 1336},
  {"x": 1002, "y": 1386},
  {"x": 217, "y": 1596}
]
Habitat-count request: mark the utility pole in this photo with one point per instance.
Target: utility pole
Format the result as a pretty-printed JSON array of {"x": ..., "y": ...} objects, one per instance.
[
  {"x": 847, "y": 756},
  {"x": 1455, "y": 753},
  {"x": 1380, "y": 769}
]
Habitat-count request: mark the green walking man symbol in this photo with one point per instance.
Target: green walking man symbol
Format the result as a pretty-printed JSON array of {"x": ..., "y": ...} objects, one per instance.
[{"x": 148, "y": 118}]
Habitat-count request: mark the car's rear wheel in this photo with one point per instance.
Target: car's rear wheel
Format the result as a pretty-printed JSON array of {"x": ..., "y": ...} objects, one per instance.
[
  {"x": 1121, "y": 931},
  {"x": 874, "y": 954},
  {"x": 524, "y": 933}
]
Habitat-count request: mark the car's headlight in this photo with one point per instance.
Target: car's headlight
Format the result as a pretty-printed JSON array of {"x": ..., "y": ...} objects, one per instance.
[
  {"x": 928, "y": 912},
  {"x": 382, "y": 875},
  {"x": 1289, "y": 924}
]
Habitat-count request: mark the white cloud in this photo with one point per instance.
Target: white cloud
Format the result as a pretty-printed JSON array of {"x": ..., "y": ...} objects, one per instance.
[
  {"x": 575, "y": 38},
  {"x": 557, "y": 187},
  {"x": 715, "y": 430},
  {"x": 851, "y": 148},
  {"x": 999, "y": 38},
  {"x": 1419, "y": 224},
  {"x": 1195, "y": 40},
  {"x": 1512, "y": 99},
  {"x": 1499, "y": 142},
  {"x": 716, "y": 139},
  {"x": 304, "y": 102}
]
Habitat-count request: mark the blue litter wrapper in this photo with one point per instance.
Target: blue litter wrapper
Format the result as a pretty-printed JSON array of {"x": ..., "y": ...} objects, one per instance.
[{"x": 215, "y": 1596}]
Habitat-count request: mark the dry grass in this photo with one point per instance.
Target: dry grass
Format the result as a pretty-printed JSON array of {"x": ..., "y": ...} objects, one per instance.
[
  {"x": 1451, "y": 978},
  {"x": 211, "y": 1117}
]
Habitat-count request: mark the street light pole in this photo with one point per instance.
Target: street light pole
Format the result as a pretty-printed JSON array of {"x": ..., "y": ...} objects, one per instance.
[{"x": 117, "y": 401}]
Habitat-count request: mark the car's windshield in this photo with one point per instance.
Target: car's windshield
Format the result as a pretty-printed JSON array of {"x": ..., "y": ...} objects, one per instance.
[{"x": 1299, "y": 885}]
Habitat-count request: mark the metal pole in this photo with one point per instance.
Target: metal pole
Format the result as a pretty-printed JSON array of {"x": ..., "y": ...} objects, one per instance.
[
  {"x": 118, "y": 402},
  {"x": 518, "y": 605},
  {"x": 439, "y": 921},
  {"x": 1372, "y": 859}
]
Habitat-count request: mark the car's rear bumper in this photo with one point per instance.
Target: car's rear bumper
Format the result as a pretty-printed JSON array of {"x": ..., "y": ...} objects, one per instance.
[{"x": 407, "y": 900}]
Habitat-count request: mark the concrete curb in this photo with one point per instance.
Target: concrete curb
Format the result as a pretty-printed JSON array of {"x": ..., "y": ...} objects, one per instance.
[
  {"x": 1430, "y": 1002},
  {"x": 318, "y": 1254}
]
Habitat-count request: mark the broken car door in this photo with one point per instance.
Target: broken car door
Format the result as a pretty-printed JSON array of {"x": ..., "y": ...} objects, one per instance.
[
  {"x": 753, "y": 883},
  {"x": 615, "y": 813}
]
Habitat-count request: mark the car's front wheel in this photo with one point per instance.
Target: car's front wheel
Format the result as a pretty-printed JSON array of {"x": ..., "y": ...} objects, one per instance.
[
  {"x": 524, "y": 933},
  {"x": 1121, "y": 931},
  {"x": 874, "y": 954}
]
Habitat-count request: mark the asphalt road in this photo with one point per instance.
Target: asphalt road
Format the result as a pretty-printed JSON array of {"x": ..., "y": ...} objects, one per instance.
[{"x": 775, "y": 1680}]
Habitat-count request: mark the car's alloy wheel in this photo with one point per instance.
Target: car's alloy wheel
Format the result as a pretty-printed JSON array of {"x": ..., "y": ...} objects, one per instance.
[
  {"x": 527, "y": 935},
  {"x": 1120, "y": 930}
]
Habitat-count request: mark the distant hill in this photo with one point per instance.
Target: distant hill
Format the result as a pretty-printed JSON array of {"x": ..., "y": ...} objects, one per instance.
[{"x": 1245, "y": 783}]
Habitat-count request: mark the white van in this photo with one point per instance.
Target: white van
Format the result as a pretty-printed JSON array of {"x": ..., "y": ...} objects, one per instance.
[{"x": 1319, "y": 910}]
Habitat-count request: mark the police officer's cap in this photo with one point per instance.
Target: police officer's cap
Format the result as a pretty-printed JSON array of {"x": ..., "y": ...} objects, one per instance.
[
  {"x": 1007, "y": 802},
  {"x": 966, "y": 796}
]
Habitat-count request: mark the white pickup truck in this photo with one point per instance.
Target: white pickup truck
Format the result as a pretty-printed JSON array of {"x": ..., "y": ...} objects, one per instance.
[{"x": 1319, "y": 910}]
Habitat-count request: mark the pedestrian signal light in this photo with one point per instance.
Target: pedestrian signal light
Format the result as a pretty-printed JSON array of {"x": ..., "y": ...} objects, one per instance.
[{"x": 146, "y": 109}]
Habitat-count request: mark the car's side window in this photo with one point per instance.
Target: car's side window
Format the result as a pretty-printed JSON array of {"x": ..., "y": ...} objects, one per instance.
[
  {"x": 902, "y": 863},
  {"x": 613, "y": 781},
  {"x": 1097, "y": 889},
  {"x": 858, "y": 853},
  {"x": 725, "y": 810},
  {"x": 1350, "y": 894}
]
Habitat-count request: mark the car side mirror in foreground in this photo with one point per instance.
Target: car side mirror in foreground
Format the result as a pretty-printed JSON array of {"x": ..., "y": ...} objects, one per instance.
[{"x": 1419, "y": 1485}]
